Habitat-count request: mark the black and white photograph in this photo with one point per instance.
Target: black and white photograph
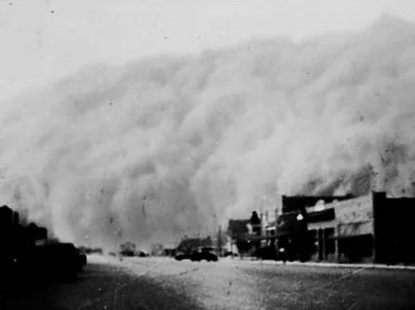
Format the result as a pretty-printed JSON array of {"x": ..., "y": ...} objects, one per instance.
[{"x": 207, "y": 154}]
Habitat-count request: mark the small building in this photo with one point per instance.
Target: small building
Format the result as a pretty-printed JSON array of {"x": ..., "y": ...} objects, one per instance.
[
  {"x": 238, "y": 230},
  {"x": 252, "y": 237},
  {"x": 255, "y": 224}
]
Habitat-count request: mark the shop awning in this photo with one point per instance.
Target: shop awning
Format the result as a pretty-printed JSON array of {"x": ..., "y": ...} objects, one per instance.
[
  {"x": 354, "y": 229},
  {"x": 321, "y": 216}
]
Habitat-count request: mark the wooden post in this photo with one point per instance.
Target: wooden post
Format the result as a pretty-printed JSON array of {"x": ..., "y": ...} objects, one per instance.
[{"x": 336, "y": 235}]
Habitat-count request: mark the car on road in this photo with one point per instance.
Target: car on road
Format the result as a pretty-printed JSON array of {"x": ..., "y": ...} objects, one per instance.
[
  {"x": 207, "y": 254},
  {"x": 182, "y": 256},
  {"x": 202, "y": 253}
]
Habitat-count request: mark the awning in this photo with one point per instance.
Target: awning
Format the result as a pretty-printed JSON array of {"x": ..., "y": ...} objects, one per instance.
[
  {"x": 321, "y": 216},
  {"x": 354, "y": 229},
  {"x": 249, "y": 237}
]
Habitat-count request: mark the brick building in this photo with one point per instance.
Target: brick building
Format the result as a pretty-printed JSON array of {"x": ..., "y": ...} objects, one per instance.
[{"x": 372, "y": 228}]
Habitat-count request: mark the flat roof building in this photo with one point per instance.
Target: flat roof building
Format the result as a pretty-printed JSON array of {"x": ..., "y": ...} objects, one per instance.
[{"x": 371, "y": 228}]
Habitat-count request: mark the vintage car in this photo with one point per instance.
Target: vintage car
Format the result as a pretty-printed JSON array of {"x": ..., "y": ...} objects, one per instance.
[{"x": 202, "y": 253}]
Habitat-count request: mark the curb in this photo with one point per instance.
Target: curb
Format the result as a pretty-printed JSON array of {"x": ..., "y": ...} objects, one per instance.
[{"x": 325, "y": 264}]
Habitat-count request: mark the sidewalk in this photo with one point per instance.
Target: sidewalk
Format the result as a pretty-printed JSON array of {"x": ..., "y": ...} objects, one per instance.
[{"x": 320, "y": 264}]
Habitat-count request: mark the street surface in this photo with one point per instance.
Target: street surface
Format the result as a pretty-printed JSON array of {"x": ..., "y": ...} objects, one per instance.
[{"x": 163, "y": 283}]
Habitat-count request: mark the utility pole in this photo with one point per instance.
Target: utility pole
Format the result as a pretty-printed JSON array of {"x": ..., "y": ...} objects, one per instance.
[
  {"x": 143, "y": 209},
  {"x": 219, "y": 241}
]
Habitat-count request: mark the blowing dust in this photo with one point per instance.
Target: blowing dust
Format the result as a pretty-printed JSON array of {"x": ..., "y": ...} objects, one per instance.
[{"x": 164, "y": 147}]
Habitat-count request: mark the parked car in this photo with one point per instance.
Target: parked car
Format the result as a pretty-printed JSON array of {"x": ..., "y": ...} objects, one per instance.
[
  {"x": 203, "y": 253},
  {"x": 182, "y": 256}
]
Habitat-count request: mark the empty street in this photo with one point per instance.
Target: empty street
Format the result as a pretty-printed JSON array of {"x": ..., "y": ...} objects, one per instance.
[{"x": 163, "y": 283}]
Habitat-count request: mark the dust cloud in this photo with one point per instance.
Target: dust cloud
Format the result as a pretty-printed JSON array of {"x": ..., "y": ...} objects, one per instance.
[{"x": 169, "y": 146}]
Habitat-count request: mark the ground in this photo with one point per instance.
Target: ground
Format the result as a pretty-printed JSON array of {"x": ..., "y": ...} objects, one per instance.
[{"x": 163, "y": 283}]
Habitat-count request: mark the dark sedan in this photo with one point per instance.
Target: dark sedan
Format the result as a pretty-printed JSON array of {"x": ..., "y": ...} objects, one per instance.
[{"x": 205, "y": 253}]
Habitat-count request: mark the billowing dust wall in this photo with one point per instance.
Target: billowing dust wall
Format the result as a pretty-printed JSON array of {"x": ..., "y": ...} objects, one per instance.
[{"x": 169, "y": 146}]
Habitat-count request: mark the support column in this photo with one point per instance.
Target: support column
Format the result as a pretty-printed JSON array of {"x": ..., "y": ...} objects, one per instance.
[{"x": 336, "y": 244}]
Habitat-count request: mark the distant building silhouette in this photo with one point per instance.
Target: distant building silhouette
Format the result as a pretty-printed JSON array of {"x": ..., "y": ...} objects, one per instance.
[{"x": 27, "y": 254}]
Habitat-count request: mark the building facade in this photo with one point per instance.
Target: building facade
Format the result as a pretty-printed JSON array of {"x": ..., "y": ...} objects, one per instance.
[
  {"x": 342, "y": 230},
  {"x": 372, "y": 228},
  {"x": 368, "y": 229}
]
